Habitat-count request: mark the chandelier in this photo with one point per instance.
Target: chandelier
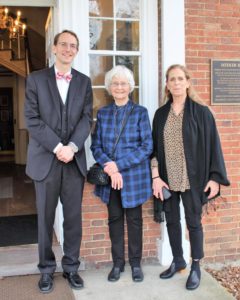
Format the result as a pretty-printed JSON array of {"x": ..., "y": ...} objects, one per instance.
[
  {"x": 12, "y": 32},
  {"x": 14, "y": 26}
]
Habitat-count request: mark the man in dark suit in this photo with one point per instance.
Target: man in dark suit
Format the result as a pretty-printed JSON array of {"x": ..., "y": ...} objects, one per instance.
[{"x": 58, "y": 112}]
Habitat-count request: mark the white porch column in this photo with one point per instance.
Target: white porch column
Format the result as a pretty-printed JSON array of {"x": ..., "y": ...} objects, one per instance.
[
  {"x": 73, "y": 15},
  {"x": 173, "y": 51},
  {"x": 149, "y": 50}
]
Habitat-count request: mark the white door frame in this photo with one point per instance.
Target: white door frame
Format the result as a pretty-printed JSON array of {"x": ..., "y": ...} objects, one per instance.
[
  {"x": 38, "y": 3},
  {"x": 54, "y": 5}
]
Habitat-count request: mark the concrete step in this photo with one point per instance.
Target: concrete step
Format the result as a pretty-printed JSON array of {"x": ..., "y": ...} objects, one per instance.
[{"x": 23, "y": 260}]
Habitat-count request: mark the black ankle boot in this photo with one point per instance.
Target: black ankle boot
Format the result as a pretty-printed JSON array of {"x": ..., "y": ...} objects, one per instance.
[
  {"x": 177, "y": 265},
  {"x": 194, "y": 277}
]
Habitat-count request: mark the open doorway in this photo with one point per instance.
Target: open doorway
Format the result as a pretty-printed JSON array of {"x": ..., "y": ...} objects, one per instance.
[
  {"x": 16, "y": 189},
  {"x": 17, "y": 195}
]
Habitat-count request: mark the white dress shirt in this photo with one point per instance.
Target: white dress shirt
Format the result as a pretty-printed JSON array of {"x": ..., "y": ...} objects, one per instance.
[{"x": 63, "y": 86}]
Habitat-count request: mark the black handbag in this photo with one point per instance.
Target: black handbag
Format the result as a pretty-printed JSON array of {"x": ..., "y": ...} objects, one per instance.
[{"x": 96, "y": 174}]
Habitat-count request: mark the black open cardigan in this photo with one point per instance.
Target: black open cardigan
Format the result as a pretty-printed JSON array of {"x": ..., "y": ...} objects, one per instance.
[{"x": 202, "y": 148}]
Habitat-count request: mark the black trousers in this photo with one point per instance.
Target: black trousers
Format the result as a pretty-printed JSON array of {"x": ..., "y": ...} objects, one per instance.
[
  {"x": 193, "y": 221},
  {"x": 63, "y": 180},
  {"x": 116, "y": 215}
]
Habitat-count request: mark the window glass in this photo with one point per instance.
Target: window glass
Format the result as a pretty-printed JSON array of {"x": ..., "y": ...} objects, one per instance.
[
  {"x": 101, "y": 98},
  {"x": 114, "y": 30},
  {"x": 101, "y": 34},
  {"x": 101, "y": 8},
  {"x": 99, "y": 65},
  {"x": 135, "y": 95},
  {"x": 127, "y": 9},
  {"x": 127, "y": 35},
  {"x": 132, "y": 63}
]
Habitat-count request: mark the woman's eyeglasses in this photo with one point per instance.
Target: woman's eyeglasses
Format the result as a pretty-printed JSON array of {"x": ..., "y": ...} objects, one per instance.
[{"x": 121, "y": 84}]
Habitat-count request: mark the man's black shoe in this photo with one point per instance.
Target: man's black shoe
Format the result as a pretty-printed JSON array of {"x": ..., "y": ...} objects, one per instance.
[
  {"x": 45, "y": 283},
  {"x": 174, "y": 268},
  {"x": 74, "y": 280},
  {"x": 193, "y": 280},
  {"x": 114, "y": 275},
  {"x": 137, "y": 274}
]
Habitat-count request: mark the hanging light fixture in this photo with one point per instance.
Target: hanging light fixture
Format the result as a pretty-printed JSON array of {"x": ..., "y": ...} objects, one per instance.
[
  {"x": 12, "y": 30},
  {"x": 14, "y": 26}
]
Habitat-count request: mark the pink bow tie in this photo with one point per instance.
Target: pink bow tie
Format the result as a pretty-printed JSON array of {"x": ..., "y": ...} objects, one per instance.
[{"x": 67, "y": 77}]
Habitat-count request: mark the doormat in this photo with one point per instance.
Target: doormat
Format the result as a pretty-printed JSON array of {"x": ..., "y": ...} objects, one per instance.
[
  {"x": 6, "y": 187},
  {"x": 25, "y": 288},
  {"x": 18, "y": 230}
]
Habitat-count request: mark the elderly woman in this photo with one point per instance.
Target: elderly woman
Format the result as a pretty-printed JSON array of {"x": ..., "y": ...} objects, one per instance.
[
  {"x": 129, "y": 168},
  {"x": 189, "y": 162}
]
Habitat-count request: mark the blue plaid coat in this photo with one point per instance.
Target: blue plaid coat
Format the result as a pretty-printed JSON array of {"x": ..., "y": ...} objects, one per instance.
[{"x": 131, "y": 155}]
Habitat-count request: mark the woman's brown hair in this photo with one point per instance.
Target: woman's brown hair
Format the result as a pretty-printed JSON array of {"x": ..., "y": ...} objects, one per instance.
[{"x": 190, "y": 91}]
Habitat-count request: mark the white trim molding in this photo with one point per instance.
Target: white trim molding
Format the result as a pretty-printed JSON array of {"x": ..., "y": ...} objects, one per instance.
[
  {"x": 73, "y": 15},
  {"x": 38, "y": 3},
  {"x": 149, "y": 48},
  {"x": 172, "y": 37}
]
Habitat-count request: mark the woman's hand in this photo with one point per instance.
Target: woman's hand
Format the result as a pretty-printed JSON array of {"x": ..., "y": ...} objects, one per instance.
[
  {"x": 157, "y": 186},
  {"x": 116, "y": 181},
  {"x": 213, "y": 186},
  {"x": 110, "y": 168}
]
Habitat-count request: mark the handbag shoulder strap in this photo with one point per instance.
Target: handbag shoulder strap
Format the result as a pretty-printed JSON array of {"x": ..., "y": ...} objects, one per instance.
[{"x": 123, "y": 125}]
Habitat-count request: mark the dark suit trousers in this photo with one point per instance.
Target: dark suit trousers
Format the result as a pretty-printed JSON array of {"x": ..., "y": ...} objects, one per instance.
[
  {"x": 116, "y": 215},
  {"x": 193, "y": 221},
  {"x": 63, "y": 180}
]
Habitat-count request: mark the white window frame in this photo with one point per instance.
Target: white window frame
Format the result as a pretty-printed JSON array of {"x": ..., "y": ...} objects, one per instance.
[
  {"x": 74, "y": 15},
  {"x": 114, "y": 52}
]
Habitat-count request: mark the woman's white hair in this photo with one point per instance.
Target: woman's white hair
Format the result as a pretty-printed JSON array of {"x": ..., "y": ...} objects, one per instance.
[{"x": 119, "y": 71}]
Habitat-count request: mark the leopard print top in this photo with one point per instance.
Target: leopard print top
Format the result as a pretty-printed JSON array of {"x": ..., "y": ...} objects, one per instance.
[{"x": 174, "y": 153}]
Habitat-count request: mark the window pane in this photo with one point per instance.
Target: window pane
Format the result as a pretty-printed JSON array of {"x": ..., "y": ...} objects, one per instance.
[
  {"x": 101, "y": 8},
  {"x": 135, "y": 95},
  {"x": 99, "y": 65},
  {"x": 127, "y": 8},
  {"x": 132, "y": 63},
  {"x": 100, "y": 99},
  {"x": 127, "y": 36},
  {"x": 101, "y": 34}
]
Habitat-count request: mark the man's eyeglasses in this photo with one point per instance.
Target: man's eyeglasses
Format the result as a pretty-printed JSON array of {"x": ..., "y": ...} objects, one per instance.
[
  {"x": 121, "y": 84},
  {"x": 66, "y": 45}
]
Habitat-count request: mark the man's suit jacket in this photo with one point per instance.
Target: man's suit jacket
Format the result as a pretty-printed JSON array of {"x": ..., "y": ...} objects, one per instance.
[{"x": 43, "y": 119}]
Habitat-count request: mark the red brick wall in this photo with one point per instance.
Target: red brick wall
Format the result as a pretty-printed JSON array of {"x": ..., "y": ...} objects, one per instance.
[
  {"x": 96, "y": 246},
  {"x": 213, "y": 31}
]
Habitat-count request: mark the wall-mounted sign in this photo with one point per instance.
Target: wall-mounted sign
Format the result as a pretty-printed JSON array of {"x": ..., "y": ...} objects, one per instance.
[{"x": 225, "y": 82}]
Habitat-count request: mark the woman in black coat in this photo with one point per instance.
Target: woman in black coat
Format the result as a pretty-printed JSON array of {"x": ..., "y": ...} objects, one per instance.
[{"x": 188, "y": 161}]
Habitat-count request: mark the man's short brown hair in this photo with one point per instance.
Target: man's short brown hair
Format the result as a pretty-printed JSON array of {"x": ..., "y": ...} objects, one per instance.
[{"x": 56, "y": 38}]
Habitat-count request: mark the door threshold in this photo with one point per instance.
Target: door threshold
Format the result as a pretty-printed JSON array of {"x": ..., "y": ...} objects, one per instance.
[{"x": 23, "y": 260}]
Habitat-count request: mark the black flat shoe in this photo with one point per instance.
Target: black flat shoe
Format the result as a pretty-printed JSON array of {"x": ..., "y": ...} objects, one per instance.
[
  {"x": 74, "y": 280},
  {"x": 174, "y": 268},
  {"x": 137, "y": 274},
  {"x": 193, "y": 280},
  {"x": 114, "y": 275},
  {"x": 45, "y": 283}
]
